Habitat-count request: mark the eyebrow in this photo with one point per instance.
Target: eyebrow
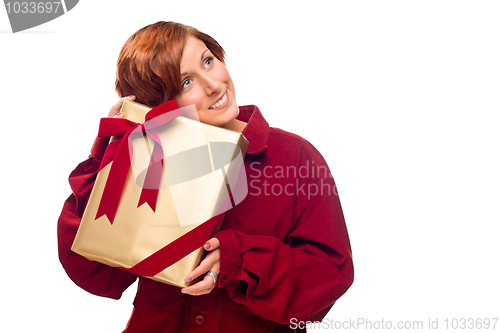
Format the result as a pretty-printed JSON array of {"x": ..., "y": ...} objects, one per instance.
[{"x": 202, "y": 56}]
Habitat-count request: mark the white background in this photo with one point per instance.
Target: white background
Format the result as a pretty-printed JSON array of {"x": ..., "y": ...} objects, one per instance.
[{"x": 400, "y": 97}]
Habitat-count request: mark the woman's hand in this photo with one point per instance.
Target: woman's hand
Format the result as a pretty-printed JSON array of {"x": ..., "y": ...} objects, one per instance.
[
  {"x": 211, "y": 262},
  {"x": 115, "y": 109}
]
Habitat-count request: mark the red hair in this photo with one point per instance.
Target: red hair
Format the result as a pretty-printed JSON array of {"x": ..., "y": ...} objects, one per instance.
[{"x": 149, "y": 62}]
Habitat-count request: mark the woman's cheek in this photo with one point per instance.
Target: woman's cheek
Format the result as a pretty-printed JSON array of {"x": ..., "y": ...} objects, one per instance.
[
  {"x": 224, "y": 73},
  {"x": 187, "y": 100}
]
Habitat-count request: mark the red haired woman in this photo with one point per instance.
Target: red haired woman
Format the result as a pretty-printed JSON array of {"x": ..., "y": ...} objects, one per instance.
[{"x": 282, "y": 256}]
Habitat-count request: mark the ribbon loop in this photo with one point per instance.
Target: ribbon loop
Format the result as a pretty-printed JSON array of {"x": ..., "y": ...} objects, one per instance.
[{"x": 118, "y": 152}]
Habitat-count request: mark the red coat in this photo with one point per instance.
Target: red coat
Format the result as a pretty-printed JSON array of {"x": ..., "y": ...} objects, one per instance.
[{"x": 285, "y": 250}]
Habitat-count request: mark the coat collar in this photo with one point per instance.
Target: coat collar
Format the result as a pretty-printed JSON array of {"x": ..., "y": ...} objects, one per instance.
[{"x": 256, "y": 131}]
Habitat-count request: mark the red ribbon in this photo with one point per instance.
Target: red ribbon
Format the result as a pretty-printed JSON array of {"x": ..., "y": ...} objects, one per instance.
[
  {"x": 118, "y": 153},
  {"x": 177, "y": 249},
  {"x": 185, "y": 244}
]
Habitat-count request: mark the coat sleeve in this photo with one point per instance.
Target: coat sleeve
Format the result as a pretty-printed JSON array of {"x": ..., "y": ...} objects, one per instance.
[
  {"x": 300, "y": 277},
  {"x": 94, "y": 277}
]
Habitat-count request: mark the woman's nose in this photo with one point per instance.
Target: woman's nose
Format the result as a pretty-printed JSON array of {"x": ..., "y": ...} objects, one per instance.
[{"x": 212, "y": 86}]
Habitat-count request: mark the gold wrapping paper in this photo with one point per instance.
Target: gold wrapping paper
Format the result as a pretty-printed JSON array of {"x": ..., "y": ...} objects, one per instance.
[{"x": 138, "y": 232}]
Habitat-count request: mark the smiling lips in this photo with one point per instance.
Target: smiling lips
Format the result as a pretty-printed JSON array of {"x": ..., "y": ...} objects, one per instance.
[{"x": 220, "y": 102}]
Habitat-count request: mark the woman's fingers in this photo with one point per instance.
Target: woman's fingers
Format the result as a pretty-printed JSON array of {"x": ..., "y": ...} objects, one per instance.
[
  {"x": 115, "y": 109},
  {"x": 204, "y": 286},
  {"x": 212, "y": 244},
  {"x": 211, "y": 260},
  {"x": 213, "y": 257}
]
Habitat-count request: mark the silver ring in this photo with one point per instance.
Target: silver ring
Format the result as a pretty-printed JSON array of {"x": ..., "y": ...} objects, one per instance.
[{"x": 214, "y": 275}]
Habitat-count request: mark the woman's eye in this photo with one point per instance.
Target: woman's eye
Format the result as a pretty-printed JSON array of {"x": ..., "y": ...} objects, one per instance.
[
  {"x": 209, "y": 62},
  {"x": 186, "y": 83}
]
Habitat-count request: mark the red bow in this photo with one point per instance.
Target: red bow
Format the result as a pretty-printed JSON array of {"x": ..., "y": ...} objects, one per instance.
[{"x": 118, "y": 152}]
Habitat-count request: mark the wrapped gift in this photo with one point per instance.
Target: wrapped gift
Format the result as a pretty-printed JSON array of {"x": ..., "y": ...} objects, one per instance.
[{"x": 163, "y": 187}]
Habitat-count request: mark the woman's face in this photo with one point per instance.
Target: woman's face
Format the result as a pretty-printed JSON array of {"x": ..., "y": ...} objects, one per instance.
[{"x": 207, "y": 84}]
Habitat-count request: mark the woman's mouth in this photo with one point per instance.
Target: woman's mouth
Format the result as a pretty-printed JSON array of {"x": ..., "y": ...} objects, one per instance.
[{"x": 221, "y": 102}]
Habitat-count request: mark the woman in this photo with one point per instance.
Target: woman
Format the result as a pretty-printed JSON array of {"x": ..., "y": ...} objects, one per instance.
[{"x": 282, "y": 255}]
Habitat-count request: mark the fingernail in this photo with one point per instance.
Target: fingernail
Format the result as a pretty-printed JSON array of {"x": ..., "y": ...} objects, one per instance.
[
  {"x": 188, "y": 278},
  {"x": 119, "y": 114},
  {"x": 185, "y": 291},
  {"x": 207, "y": 246}
]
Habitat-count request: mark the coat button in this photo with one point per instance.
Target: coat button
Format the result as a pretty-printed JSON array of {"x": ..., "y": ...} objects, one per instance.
[
  {"x": 223, "y": 281},
  {"x": 200, "y": 319}
]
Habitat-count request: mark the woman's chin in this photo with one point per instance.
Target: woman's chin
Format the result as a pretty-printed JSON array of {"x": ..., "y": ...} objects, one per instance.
[{"x": 222, "y": 117}]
